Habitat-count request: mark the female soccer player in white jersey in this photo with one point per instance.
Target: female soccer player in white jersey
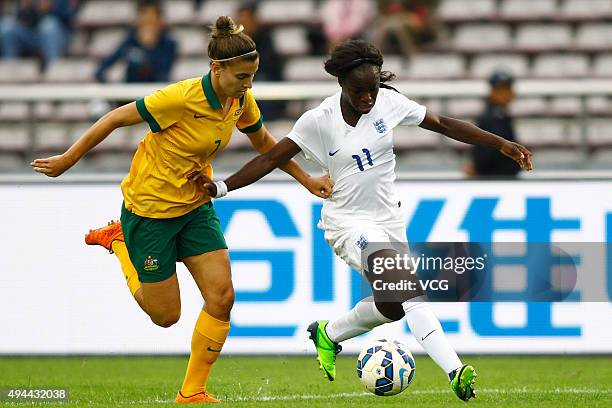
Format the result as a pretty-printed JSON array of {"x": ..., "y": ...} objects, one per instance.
[{"x": 350, "y": 136}]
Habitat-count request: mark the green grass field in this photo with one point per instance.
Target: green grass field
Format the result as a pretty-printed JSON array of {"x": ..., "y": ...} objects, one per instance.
[{"x": 280, "y": 381}]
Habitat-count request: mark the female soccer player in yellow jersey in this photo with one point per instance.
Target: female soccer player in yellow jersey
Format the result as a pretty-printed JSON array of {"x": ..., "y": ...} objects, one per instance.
[{"x": 165, "y": 217}]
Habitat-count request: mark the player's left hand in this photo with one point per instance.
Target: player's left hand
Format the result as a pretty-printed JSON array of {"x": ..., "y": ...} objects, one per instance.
[
  {"x": 518, "y": 153},
  {"x": 320, "y": 186}
]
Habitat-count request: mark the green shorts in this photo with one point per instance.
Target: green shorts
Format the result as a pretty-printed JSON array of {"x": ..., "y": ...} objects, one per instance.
[{"x": 155, "y": 245}]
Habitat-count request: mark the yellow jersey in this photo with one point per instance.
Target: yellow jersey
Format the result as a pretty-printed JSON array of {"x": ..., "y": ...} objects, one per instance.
[{"x": 188, "y": 130}]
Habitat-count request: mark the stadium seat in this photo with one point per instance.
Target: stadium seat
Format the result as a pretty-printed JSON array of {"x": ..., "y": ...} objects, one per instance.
[
  {"x": 484, "y": 65},
  {"x": 599, "y": 132},
  {"x": 211, "y": 9},
  {"x": 413, "y": 137},
  {"x": 111, "y": 161},
  {"x": 104, "y": 13},
  {"x": 596, "y": 37},
  {"x": 542, "y": 132},
  {"x": 116, "y": 141},
  {"x": 466, "y": 10},
  {"x": 429, "y": 160},
  {"x": 586, "y": 9},
  {"x": 291, "y": 41},
  {"x": 72, "y": 111},
  {"x": 465, "y": 107},
  {"x": 14, "y": 138},
  {"x": 565, "y": 106},
  {"x": 19, "y": 70},
  {"x": 543, "y": 37},
  {"x": 178, "y": 12},
  {"x": 14, "y": 111},
  {"x": 105, "y": 41},
  {"x": 521, "y": 10},
  {"x": 436, "y": 66},
  {"x": 482, "y": 37},
  {"x": 44, "y": 110},
  {"x": 525, "y": 107},
  {"x": 602, "y": 66},
  {"x": 287, "y": 11},
  {"x": 305, "y": 68},
  {"x": 556, "y": 158},
  {"x": 189, "y": 68},
  {"x": 599, "y": 105},
  {"x": 50, "y": 138},
  {"x": 192, "y": 42},
  {"x": 561, "y": 66},
  {"x": 70, "y": 71}
]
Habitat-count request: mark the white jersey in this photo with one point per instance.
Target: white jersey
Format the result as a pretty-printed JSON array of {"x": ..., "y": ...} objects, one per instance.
[{"x": 359, "y": 160}]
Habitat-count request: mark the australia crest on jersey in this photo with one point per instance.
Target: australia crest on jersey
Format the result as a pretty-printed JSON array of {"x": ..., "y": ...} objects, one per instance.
[{"x": 380, "y": 125}]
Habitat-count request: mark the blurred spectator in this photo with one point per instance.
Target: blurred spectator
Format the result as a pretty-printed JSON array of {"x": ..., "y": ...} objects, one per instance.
[
  {"x": 487, "y": 162},
  {"x": 345, "y": 19},
  {"x": 270, "y": 62},
  {"x": 403, "y": 26},
  {"x": 148, "y": 49},
  {"x": 38, "y": 28}
]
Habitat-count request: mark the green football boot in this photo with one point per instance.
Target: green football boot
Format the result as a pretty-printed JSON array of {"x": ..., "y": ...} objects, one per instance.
[
  {"x": 462, "y": 382},
  {"x": 326, "y": 349}
]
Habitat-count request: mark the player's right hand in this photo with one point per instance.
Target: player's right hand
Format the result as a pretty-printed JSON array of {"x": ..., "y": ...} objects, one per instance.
[
  {"x": 203, "y": 182},
  {"x": 52, "y": 166}
]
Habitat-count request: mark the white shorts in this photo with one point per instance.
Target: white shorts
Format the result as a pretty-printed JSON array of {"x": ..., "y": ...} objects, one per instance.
[{"x": 352, "y": 244}]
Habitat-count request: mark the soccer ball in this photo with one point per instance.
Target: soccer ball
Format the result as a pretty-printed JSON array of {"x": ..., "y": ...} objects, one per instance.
[{"x": 385, "y": 367}]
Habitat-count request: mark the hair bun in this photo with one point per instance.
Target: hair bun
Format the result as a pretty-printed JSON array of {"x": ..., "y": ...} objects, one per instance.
[{"x": 225, "y": 27}]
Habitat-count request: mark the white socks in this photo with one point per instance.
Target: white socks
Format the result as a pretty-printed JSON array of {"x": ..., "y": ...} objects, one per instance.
[
  {"x": 424, "y": 325},
  {"x": 426, "y": 328},
  {"x": 361, "y": 319}
]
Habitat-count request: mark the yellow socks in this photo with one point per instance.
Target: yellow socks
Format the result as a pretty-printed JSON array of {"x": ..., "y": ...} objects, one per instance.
[
  {"x": 208, "y": 338},
  {"x": 131, "y": 276}
]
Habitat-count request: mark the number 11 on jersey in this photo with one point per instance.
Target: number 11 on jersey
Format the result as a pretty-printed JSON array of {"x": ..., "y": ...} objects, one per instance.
[{"x": 360, "y": 163}]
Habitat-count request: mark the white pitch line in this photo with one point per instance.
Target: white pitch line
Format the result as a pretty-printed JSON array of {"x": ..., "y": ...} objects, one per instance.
[{"x": 485, "y": 391}]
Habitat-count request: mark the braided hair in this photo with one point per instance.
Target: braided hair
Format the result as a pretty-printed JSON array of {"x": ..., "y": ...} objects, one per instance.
[{"x": 354, "y": 53}]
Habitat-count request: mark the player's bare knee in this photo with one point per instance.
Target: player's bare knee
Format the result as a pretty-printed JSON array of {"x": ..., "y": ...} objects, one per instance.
[
  {"x": 222, "y": 299},
  {"x": 391, "y": 310},
  {"x": 166, "y": 319},
  {"x": 226, "y": 300}
]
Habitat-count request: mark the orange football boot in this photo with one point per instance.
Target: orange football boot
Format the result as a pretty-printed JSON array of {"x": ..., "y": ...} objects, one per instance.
[
  {"x": 105, "y": 236},
  {"x": 202, "y": 396}
]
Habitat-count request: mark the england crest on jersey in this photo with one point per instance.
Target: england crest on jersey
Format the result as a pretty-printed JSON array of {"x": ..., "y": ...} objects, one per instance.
[{"x": 381, "y": 126}]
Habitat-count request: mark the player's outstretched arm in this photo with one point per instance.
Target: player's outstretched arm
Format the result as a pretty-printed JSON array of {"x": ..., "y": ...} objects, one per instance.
[
  {"x": 261, "y": 165},
  {"x": 467, "y": 133},
  {"x": 56, "y": 165},
  {"x": 262, "y": 140}
]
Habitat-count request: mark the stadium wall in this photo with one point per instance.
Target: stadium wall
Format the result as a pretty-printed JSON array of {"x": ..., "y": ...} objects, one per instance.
[{"x": 59, "y": 296}]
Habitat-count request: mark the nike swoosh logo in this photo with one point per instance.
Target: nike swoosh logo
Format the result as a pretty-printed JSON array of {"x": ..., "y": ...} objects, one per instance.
[
  {"x": 331, "y": 154},
  {"x": 423, "y": 338},
  {"x": 196, "y": 116},
  {"x": 213, "y": 350}
]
